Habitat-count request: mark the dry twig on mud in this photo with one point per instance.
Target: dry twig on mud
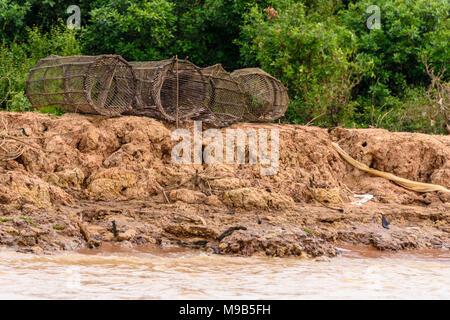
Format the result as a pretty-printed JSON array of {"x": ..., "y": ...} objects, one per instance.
[
  {"x": 163, "y": 191},
  {"x": 91, "y": 243},
  {"x": 229, "y": 232}
]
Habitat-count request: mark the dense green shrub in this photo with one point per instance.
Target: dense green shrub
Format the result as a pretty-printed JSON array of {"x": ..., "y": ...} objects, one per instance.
[
  {"x": 206, "y": 30},
  {"x": 18, "y": 15},
  {"x": 410, "y": 31},
  {"x": 322, "y": 49},
  {"x": 141, "y": 30},
  {"x": 16, "y": 59},
  {"x": 317, "y": 60},
  {"x": 12, "y": 19},
  {"x": 338, "y": 72}
]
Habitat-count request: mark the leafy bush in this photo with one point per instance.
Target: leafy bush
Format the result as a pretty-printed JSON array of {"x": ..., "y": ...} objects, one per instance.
[
  {"x": 410, "y": 31},
  {"x": 336, "y": 69},
  {"x": 12, "y": 19},
  {"x": 206, "y": 30},
  {"x": 316, "y": 59},
  {"x": 339, "y": 71},
  {"x": 18, "y": 15},
  {"x": 16, "y": 59},
  {"x": 140, "y": 30}
]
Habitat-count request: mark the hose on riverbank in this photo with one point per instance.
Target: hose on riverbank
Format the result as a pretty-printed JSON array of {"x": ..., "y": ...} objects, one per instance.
[{"x": 408, "y": 184}]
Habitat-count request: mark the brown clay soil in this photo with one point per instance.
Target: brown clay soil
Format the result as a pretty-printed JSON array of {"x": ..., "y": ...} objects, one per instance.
[{"x": 86, "y": 171}]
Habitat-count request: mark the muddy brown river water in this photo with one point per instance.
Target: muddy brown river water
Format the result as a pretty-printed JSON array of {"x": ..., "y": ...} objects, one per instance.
[{"x": 114, "y": 273}]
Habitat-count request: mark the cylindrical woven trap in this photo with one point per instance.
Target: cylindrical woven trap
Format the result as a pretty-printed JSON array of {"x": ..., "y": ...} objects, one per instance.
[
  {"x": 226, "y": 104},
  {"x": 100, "y": 85},
  {"x": 143, "y": 104},
  {"x": 266, "y": 97},
  {"x": 172, "y": 89}
]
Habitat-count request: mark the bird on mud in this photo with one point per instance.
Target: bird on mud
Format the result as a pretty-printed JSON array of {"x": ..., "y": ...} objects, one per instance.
[
  {"x": 114, "y": 228},
  {"x": 384, "y": 222},
  {"x": 23, "y": 131}
]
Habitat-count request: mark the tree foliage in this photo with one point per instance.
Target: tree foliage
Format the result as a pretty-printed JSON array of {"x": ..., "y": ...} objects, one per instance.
[
  {"x": 138, "y": 30},
  {"x": 16, "y": 59},
  {"x": 338, "y": 71},
  {"x": 317, "y": 60}
]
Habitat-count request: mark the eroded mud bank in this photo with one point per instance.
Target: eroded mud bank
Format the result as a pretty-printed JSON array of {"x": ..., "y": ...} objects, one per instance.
[{"x": 86, "y": 171}]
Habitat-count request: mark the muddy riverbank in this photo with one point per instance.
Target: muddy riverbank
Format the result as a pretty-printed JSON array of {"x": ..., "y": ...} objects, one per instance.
[{"x": 80, "y": 173}]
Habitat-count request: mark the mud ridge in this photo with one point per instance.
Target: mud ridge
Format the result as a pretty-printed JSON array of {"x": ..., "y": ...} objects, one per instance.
[{"x": 90, "y": 170}]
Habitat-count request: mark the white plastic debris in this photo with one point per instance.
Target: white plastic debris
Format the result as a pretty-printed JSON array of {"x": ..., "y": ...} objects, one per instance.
[{"x": 363, "y": 198}]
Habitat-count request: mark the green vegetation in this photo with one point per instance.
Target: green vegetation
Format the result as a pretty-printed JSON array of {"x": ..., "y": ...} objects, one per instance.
[
  {"x": 18, "y": 57},
  {"x": 4, "y": 220},
  {"x": 56, "y": 227},
  {"x": 337, "y": 70},
  {"x": 29, "y": 221},
  {"x": 137, "y": 30}
]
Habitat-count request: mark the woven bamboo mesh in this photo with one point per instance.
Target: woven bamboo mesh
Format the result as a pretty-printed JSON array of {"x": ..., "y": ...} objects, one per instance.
[
  {"x": 143, "y": 104},
  {"x": 226, "y": 104},
  {"x": 172, "y": 89},
  {"x": 11, "y": 147},
  {"x": 175, "y": 90},
  {"x": 266, "y": 97},
  {"x": 100, "y": 85}
]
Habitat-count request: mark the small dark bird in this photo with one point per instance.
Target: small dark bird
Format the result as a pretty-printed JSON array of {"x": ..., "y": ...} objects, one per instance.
[
  {"x": 384, "y": 222},
  {"x": 23, "y": 131},
  {"x": 259, "y": 220},
  {"x": 114, "y": 228}
]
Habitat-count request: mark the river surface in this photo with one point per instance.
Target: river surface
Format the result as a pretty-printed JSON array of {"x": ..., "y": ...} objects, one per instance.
[{"x": 114, "y": 273}]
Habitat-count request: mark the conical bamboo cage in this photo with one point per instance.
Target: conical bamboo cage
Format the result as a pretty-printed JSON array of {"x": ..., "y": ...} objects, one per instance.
[
  {"x": 266, "y": 97},
  {"x": 226, "y": 104},
  {"x": 173, "y": 89},
  {"x": 103, "y": 85}
]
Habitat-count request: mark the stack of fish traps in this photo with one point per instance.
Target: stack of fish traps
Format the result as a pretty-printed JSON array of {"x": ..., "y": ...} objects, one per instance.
[{"x": 174, "y": 89}]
